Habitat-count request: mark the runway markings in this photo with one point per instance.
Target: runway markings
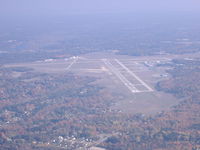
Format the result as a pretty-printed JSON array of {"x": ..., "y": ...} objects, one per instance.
[
  {"x": 117, "y": 71},
  {"x": 125, "y": 81},
  {"x": 134, "y": 75}
]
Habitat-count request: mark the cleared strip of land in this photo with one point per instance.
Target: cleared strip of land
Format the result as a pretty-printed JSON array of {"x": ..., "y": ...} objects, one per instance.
[
  {"x": 134, "y": 75},
  {"x": 73, "y": 62},
  {"x": 126, "y": 82}
]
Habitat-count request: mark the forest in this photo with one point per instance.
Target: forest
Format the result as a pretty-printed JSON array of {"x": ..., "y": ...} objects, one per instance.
[{"x": 46, "y": 111}]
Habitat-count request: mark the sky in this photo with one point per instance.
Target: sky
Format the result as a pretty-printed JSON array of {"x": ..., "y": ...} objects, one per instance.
[{"x": 65, "y": 7}]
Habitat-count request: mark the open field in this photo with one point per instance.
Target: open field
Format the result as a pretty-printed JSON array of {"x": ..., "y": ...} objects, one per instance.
[{"x": 131, "y": 81}]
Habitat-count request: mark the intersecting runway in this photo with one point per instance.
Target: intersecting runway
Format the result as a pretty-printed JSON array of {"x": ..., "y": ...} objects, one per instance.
[{"x": 117, "y": 68}]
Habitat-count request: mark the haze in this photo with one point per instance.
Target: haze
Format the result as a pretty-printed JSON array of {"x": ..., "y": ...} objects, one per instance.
[{"x": 64, "y": 7}]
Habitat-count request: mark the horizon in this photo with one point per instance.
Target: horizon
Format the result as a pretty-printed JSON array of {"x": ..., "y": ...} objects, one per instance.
[{"x": 17, "y": 8}]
